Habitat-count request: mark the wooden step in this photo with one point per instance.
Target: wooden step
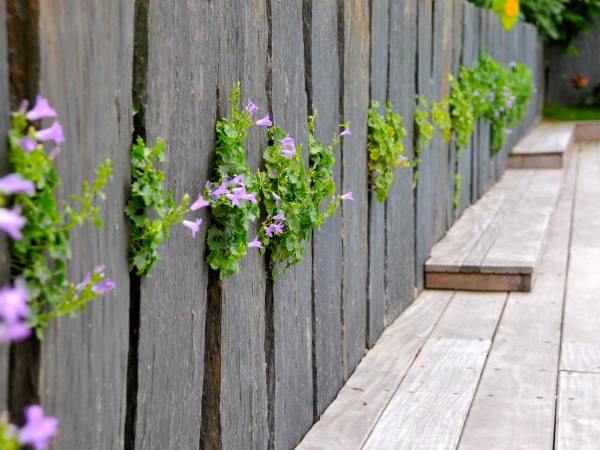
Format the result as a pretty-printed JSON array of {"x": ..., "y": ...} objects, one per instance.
[
  {"x": 496, "y": 244},
  {"x": 544, "y": 147}
]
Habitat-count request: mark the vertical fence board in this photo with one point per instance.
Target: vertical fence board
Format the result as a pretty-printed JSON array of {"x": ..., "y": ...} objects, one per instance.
[
  {"x": 4, "y": 255},
  {"x": 327, "y": 241},
  {"x": 86, "y": 72},
  {"x": 438, "y": 149},
  {"x": 476, "y": 136},
  {"x": 424, "y": 195},
  {"x": 180, "y": 107},
  {"x": 379, "y": 80},
  {"x": 292, "y": 291},
  {"x": 355, "y": 103},
  {"x": 483, "y": 146},
  {"x": 242, "y": 56},
  {"x": 400, "y": 219},
  {"x": 466, "y": 11}
]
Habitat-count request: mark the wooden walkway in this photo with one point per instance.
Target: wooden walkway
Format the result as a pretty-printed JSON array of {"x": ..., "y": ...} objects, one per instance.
[{"x": 475, "y": 370}]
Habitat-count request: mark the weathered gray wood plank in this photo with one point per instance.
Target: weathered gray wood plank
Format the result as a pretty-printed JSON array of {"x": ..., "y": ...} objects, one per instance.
[
  {"x": 578, "y": 421},
  {"x": 293, "y": 395},
  {"x": 581, "y": 344},
  {"x": 349, "y": 420},
  {"x": 515, "y": 401},
  {"x": 86, "y": 61},
  {"x": 400, "y": 213},
  {"x": 483, "y": 147},
  {"x": 429, "y": 408},
  {"x": 425, "y": 191},
  {"x": 243, "y": 389},
  {"x": 380, "y": 22},
  {"x": 181, "y": 87},
  {"x": 327, "y": 241},
  {"x": 476, "y": 136},
  {"x": 546, "y": 137},
  {"x": 355, "y": 103},
  {"x": 4, "y": 126}
]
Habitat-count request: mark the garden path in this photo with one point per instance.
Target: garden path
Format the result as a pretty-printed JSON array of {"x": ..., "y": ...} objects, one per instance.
[{"x": 499, "y": 370}]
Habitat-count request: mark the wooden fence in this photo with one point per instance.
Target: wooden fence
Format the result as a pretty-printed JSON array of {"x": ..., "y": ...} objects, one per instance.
[{"x": 181, "y": 359}]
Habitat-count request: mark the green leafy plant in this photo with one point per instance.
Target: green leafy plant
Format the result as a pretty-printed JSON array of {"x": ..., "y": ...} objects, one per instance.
[
  {"x": 293, "y": 197},
  {"x": 40, "y": 255},
  {"x": 385, "y": 148},
  {"x": 423, "y": 133},
  {"x": 461, "y": 111},
  {"x": 231, "y": 192},
  {"x": 440, "y": 115},
  {"x": 457, "y": 191},
  {"x": 148, "y": 199}
]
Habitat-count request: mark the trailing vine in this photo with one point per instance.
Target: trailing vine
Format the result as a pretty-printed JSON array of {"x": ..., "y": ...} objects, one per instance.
[
  {"x": 385, "y": 148},
  {"x": 440, "y": 115},
  {"x": 40, "y": 246},
  {"x": 423, "y": 133}
]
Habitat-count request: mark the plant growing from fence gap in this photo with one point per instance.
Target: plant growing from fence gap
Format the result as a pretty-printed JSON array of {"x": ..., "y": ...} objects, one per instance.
[
  {"x": 423, "y": 133},
  {"x": 440, "y": 115},
  {"x": 385, "y": 149},
  {"x": 36, "y": 433},
  {"x": 40, "y": 248},
  {"x": 461, "y": 110},
  {"x": 148, "y": 199},
  {"x": 293, "y": 197}
]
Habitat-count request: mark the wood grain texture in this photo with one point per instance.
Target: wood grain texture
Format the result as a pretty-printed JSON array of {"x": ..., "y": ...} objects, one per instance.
[
  {"x": 243, "y": 391},
  {"x": 546, "y": 137},
  {"x": 349, "y": 420},
  {"x": 4, "y": 254},
  {"x": 380, "y": 23},
  {"x": 483, "y": 133},
  {"x": 537, "y": 161},
  {"x": 327, "y": 241},
  {"x": 429, "y": 408},
  {"x": 181, "y": 89},
  {"x": 515, "y": 401},
  {"x": 293, "y": 396},
  {"x": 577, "y": 421},
  {"x": 464, "y": 166},
  {"x": 425, "y": 189},
  {"x": 400, "y": 214},
  {"x": 476, "y": 136},
  {"x": 581, "y": 345},
  {"x": 587, "y": 131},
  {"x": 355, "y": 103},
  {"x": 86, "y": 52},
  {"x": 478, "y": 281}
]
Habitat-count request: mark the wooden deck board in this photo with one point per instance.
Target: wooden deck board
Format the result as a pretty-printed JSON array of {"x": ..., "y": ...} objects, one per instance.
[
  {"x": 515, "y": 401},
  {"x": 578, "y": 416},
  {"x": 347, "y": 422},
  {"x": 546, "y": 137},
  {"x": 432, "y": 402},
  {"x": 581, "y": 340}
]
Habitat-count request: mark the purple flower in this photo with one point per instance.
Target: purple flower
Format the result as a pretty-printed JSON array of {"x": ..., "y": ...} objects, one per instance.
[
  {"x": 279, "y": 216},
  {"x": 14, "y": 183},
  {"x": 273, "y": 172},
  {"x": 535, "y": 90},
  {"x": 239, "y": 191},
  {"x": 497, "y": 114},
  {"x": 252, "y": 108},
  {"x": 54, "y": 132},
  {"x": 508, "y": 130},
  {"x": 200, "y": 203},
  {"x": 288, "y": 153},
  {"x": 194, "y": 226},
  {"x": 237, "y": 179},
  {"x": 100, "y": 269},
  {"x": 235, "y": 199},
  {"x": 23, "y": 106},
  {"x": 501, "y": 109},
  {"x": 28, "y": 144},
  {"x": 38, "y": 429},
  {"x": 288, "y": 142},
  {"x": 104, "y": 286},
  {"x": 509, "y": 104},
  {"x": 401, "y": 159},
  {"x": 475, "y": 93},
  {"x": 512, "y": 64},
  {"x": 221, "y": 190},
  {"x": 265, "y": 121},
  {"x": 277, "y": 198},
  {"x": 492, "y": 95},
  {"x": 54, "y": 152},
  {"x": 347, "y": 196},
  {"x": 14, "y": 312},
  {"x": 346, "y": 132},
  {"x": 41, "y": 109},
  {"x": 255, "y": 243},
  {"x": 11, "y": 222},
  {"x": 81, "y": 286},
  {"x": 277, "y": 227},
  {"x": 251, "y": 196},
  {"x": 269, "y": 231}
]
